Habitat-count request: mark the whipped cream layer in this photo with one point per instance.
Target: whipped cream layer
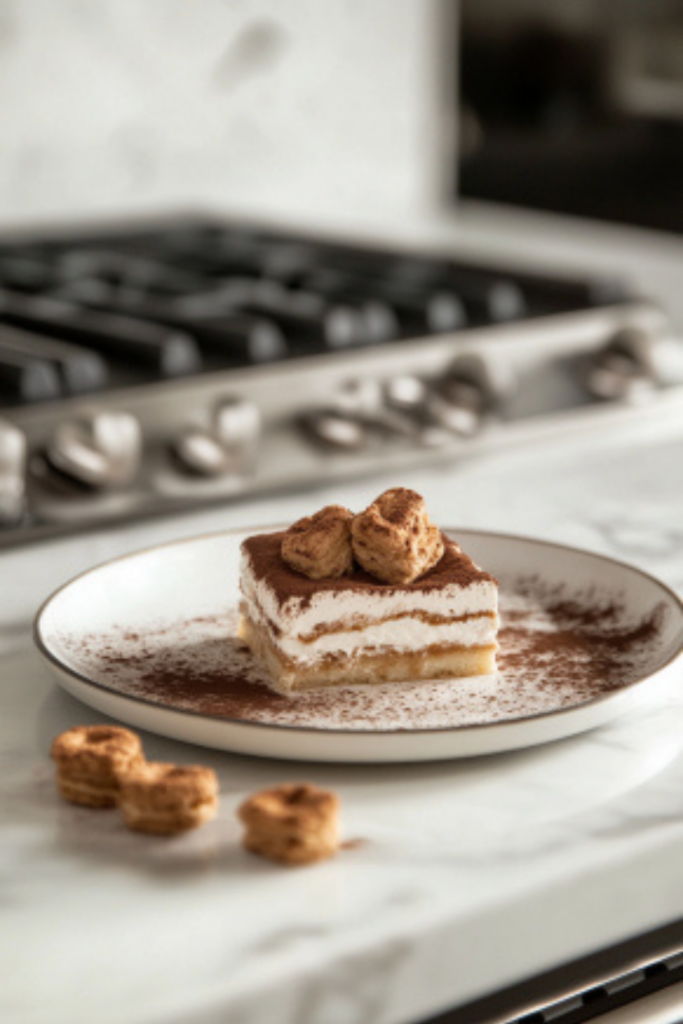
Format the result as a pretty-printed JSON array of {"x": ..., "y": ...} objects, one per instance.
[
  {"x": 400, "y": 634},
  {"x": 328, "y": 608}
]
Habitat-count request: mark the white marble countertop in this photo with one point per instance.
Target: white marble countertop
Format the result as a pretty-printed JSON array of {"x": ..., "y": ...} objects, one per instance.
[{"x": 473, "y": 874}]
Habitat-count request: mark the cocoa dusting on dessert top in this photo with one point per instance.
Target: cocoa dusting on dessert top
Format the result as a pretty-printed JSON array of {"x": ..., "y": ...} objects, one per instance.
[
  {"x": 558, "y": 649},
  {"x": 401, "y": 506},
  {"x": 264, "y": 550}
]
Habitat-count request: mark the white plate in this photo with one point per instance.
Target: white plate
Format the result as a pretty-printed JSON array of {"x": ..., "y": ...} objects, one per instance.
[{"x": 148, "y": 640}]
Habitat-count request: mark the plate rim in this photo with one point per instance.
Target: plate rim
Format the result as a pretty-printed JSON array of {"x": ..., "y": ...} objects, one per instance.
[{"x": 316, "y": 731}]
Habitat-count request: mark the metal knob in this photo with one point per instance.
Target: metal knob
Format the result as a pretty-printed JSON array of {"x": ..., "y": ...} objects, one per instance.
[
  {"x": 350, "y": 431},
  {"x": 101, "y": 449},
  {"x": 229, "y": 445},
  {"x": 624, "y": 369},
  {"x": 410, "y": 396},
  {"x": 336, "y": 429},
  {"x": 237, "y": 424},
  {"x": 360, "y": 414},
  {"x": 406, "y": 393},
  {"x": 13, "y": 449},
  {"x": 201, "y": 452},
  {"x": 457, "y": 405},
  {"x": 471, "y": 389}
]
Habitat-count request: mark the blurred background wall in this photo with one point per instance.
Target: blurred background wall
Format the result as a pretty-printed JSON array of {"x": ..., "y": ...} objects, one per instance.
[
  {"x": 259, "y": 107},
  {"x": 345, "y": 109}
]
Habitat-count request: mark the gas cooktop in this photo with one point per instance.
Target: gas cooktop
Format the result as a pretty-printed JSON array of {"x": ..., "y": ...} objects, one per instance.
[{"x": 156, "y": 368}]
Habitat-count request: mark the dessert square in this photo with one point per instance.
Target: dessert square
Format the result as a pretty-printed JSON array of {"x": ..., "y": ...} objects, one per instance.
[{"x": 356, "y": 628}]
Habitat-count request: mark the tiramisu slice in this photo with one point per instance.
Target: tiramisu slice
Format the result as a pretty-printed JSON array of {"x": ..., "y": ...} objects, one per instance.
[{"x": 380, "y": 597}]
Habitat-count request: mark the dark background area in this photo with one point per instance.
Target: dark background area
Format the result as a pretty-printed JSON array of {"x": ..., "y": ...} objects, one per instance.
[{"x": 574, "y": 108}]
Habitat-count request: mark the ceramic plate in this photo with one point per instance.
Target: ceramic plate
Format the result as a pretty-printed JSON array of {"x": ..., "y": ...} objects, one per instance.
[{"x": 149, "y": 639}]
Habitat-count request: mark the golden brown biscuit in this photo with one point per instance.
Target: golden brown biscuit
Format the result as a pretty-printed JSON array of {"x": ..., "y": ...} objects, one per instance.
[
  {"x": 165, "y": 799},
  {"x": 394, "y": 539},
  {"x": 295, "y": 823},
  {"x": 89, "y": 759},
  {"x": 319, "y": 546}
]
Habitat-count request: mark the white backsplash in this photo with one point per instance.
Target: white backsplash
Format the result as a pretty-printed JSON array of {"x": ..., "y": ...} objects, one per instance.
[{"x": 253, "y": 106}]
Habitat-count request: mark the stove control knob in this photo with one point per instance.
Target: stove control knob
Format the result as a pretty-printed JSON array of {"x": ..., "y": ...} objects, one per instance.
[
  {"x": 101, "y": 449},
  {"x": 202, "y": 453},
  {"x": 228, "y": 446},
  {"x": 471, "y": 390},
  {"x": 12, "y": 473},
  {"x": 237, "y": 425},
  {"x": 627, "y": 367},
  {"x": 335, "y": 429},
  {"x": 457, "y": 406}
]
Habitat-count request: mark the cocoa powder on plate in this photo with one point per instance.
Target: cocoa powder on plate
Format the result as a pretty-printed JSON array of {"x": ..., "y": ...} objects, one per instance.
[{"x": 557, "y": 649}]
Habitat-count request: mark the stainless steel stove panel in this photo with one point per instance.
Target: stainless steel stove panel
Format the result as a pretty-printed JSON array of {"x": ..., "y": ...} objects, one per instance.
[{"x": 154, "y": 444}]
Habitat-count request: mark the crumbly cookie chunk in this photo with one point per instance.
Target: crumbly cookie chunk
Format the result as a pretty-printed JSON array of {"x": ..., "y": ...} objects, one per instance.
[
  {"x": 295, "y": 823},
  {"x": 165, "y": 799},
  {"x": 89, "y": 759},
  {"x": 319, "y": 546},
  {"x": 394, "y": 539}
]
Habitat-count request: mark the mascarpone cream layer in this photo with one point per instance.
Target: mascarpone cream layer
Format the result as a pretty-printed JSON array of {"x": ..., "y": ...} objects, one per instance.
[
  {"x": 327, "y": 609},
  {"x": 402, "y": 635}
]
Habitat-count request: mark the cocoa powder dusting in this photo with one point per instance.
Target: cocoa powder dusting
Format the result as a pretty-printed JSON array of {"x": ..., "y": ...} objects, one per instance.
[
  {"x": 264, "y": 552},
  {"x": 591, "y": 662},
  {"x": 557, "y": 649}
]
